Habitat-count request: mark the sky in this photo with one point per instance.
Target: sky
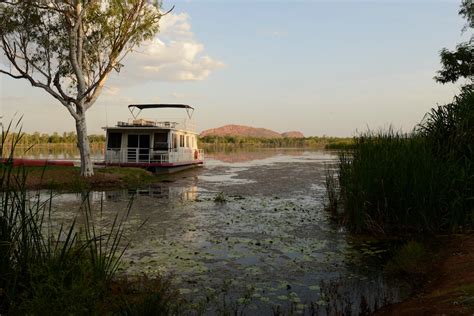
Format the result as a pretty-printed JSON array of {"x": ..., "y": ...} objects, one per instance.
[{"x": 331, "y": 68}]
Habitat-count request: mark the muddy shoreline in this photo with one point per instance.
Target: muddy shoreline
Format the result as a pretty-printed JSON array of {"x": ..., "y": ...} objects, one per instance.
[{"x": 449, "y": 288}]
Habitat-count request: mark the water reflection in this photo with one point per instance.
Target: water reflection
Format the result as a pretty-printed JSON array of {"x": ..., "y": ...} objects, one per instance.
[
  {"x": 269, "y": 234},
  {"x": 234, "y": 155},
  {"x": 56, "y": 151},
  {"x": 157, "y": 191}
]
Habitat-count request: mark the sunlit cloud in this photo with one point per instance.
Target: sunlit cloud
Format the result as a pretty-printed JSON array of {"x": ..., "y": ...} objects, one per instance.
[{"x": 173, "y": 55}]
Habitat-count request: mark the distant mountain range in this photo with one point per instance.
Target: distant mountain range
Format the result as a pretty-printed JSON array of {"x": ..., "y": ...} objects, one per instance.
[{"x": 248, "y": 131}]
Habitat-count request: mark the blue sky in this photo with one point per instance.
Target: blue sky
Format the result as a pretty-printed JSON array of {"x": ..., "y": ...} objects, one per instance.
[{"x": 321, "y": 67}]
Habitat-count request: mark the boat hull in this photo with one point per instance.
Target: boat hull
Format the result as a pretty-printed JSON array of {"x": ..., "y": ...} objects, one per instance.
[{"x": 156, "y": 167}]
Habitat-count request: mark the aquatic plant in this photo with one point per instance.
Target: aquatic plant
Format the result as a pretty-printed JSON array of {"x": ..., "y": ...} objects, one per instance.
[
  {"x": 53, "y": 269},
  {"x": 220, "y": 198},
  {"x": 332, "y": 192},
  {"x": 392, "y": 182},
  {"x": 411, "y": 260},
  {"x": 344, "y": 143}
]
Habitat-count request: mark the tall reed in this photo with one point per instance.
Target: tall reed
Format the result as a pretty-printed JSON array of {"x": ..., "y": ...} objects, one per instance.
[
  {"x": 392, "y": 182},
  {"x": 46, "y": 269}
]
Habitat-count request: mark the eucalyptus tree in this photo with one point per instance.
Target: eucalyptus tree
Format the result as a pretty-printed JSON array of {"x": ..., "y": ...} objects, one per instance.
[
  {"x": 68, "y": 48},
  {"x": 459, "y": 63}
]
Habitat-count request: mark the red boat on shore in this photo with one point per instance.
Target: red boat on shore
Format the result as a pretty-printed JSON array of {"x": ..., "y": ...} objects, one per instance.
[{"x": 17, "y": 162}]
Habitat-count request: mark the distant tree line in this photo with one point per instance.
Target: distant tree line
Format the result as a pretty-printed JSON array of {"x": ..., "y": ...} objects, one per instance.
[
  {"x": 54, "y": 138},
  {"x": 313, "y": 141}
]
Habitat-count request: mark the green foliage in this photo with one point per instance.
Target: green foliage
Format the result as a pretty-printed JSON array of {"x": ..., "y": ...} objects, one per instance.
[
  {"x": 391, "y": 182},
  {"x": 314, "y": 141},
  {"x": 157, "y": 297},
  {"x": 345, "y": 143},
  {"x": 55, "y": 138},
  {"x": 220, "y": 198},
  {"x": 411, "y": 260},
  {"x": 467, "y": 12},
  {"x": 451, "y": 127},
  {"x": 62, "y": 284},
  {"x": 456, "y": 64},
  {"x": 459, "y": 63}
]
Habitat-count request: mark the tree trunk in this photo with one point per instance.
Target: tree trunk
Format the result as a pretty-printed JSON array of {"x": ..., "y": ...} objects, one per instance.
[{"x": 87, "y": 168}]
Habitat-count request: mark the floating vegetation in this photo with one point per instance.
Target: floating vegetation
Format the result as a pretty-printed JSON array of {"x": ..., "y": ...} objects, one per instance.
[{"x": 220, "y": 198}]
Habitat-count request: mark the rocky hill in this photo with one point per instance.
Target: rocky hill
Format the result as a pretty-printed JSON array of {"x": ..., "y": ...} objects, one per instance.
[{"x": 247, "y": 131}]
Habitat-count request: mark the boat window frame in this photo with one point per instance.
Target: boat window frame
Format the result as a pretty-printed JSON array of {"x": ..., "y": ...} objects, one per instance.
[
  {"x": 110, "y": 139},
  {"x": 163, "y": 147}
]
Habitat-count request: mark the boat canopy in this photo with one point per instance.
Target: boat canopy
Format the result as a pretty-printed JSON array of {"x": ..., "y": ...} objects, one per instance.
[{"x": 131, "y": 107}]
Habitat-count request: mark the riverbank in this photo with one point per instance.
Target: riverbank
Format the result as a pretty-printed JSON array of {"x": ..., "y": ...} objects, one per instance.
[
  {"x": 449, "y": 286},
  {"x": 69, "y": 178}
]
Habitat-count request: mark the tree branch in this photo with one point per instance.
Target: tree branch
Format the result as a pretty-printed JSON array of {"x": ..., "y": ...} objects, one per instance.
[{"x": 11, "y": 75}]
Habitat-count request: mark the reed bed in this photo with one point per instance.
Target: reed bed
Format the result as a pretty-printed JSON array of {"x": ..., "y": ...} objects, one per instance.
[{"x": 390, "y": 182}]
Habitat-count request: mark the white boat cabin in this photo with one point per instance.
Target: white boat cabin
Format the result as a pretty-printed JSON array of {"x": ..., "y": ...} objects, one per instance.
[{"x": 153, "y": 143}]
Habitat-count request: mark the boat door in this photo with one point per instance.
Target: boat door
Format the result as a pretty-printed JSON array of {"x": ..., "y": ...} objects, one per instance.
[{"x": 138, "y": 148}]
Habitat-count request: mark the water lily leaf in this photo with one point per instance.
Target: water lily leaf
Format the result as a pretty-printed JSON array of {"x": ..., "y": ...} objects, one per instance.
[
  {"x": 184, "y": 291},
  {"x": 314, "y": 287}
]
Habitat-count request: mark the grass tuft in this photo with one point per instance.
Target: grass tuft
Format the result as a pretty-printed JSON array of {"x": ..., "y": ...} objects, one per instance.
[{"x": 411, "y": 260}]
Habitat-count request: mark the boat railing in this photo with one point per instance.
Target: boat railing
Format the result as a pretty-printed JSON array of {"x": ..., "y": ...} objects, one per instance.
[
  {"x": 183, "y": 124},
  {"x": 148, "y": 155}
]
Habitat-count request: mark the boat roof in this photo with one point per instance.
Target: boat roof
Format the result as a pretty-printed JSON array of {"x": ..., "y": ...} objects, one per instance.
[
  {"x": 160, "y": 106},
  {"x": 140, "y": 107},
  {"x": 147, "y": 129}
]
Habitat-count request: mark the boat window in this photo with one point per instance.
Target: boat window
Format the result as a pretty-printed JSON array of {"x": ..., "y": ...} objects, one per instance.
[
  {"x": 188, "y": 143},
  {"x": 144, "y": 141},
  {"x": 132, "y": 141},
  {"x": 181, "y": 140},
  {"x": 175, "y": 141},
  {"x": 114, "y": 141},
  {"x": 160, "y": 141}
]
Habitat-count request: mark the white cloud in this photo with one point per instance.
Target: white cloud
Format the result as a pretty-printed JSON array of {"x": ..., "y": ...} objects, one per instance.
[
  {"x": 176, "y": 25},
  {"x": 173, "y": 55}
]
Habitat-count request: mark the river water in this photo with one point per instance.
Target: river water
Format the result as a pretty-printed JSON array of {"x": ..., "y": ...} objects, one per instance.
[{"x": 247, "y": 231}]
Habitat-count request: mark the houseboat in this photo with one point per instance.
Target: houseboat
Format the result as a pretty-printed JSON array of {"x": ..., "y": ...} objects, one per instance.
[{"x": 162, "y": 146}]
